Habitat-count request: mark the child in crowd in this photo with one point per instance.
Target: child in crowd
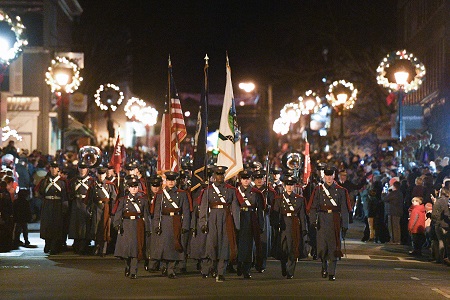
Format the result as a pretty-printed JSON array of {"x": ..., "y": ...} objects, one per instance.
[
  {"x": 21, "y": 217},
  {"x": 416, "y": 225}
]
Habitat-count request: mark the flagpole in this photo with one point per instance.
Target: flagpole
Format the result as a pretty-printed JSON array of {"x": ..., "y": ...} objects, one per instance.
[{"x": 205, "y": 171}]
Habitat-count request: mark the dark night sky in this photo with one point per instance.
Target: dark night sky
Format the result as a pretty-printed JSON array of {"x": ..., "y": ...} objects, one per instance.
[{"x": 278, "y": 42}]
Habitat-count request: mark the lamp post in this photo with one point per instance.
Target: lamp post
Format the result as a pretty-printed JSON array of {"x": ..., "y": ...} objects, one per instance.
[
  {"x": 400, "y": 72},
  {"x": 342, "y": 96},
  {"x": 250, "y": 87},
  {"x": 63, "y": 77},
  {"x": 148, "y": 116},
  {"x": 308, "y": 103}
]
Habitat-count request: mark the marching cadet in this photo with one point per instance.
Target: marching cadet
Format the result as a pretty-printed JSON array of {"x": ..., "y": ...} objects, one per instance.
[
  {"x": 111, "y": 175},
  {"x": 154, "y": 183},
  {"x": 184, "y": 183},
  {"x": 102, "y": 195},
  {"x": 132, "y": 222},
  {"x": 79, "y": 215},
  {"x": 251, "y": 225},
  {"x": 219, "y": 217},
  {"x": 291, "y": 223},
  {"x": 269, "y": 198},
  {"x": 329, "y": 214},
  {"x": 55, "y": 203},
  {"x": 277, "y": 184},
  {"x": 171, "y": 220}
]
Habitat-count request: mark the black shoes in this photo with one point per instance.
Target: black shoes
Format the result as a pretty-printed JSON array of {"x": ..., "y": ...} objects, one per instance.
[
  {"x": 133, "y": 276},
  {"x": 164, "y": 271},
  {"x": 220, "y": 278},
  {"x": 213, "y": 274},
  {"x": 324, "y": 273},
  {"x": 172, "y": 276},
  {"x": 247, "y": 276},
  {"x": 239, "y": 271},
  {"x": 204, "y": 276},
  {"x": 127, "y": 272},
  {"x": 331, "y": 278},
  {"x": 183, "y": 270},
  {"x": 283, "y": 272},
  {"x": 289, "y": 276},
  {"x": 261, "y": 270}
]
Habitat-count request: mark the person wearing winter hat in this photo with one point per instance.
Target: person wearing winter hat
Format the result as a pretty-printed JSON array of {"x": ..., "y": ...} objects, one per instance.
[{"x": 416, "y": 225}]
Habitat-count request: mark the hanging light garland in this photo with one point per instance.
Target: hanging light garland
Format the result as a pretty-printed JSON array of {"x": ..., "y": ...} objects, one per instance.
[
  {"x": 63, "y": 64},
  {"x": 309, "y": 102},
  {"x": 103, "y": 101},
  {"x": 334, "y": 97},
  {"x": 133, "y": 108},
  {"x": 400, "y": 56},
  {"x": 12, "y": 52},
  {"x": 291, "y": 112},
  {"x": 7, "y": 132}
]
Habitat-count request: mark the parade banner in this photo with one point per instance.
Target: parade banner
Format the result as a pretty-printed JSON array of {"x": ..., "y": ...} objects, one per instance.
[
  {"x": 200, "y": 139},
  {"x": 118, "y": 156},
  {"x": 307, "y": 167},
  {"x": 229, "y": 142},
  {"x": 173, "y": 129}
]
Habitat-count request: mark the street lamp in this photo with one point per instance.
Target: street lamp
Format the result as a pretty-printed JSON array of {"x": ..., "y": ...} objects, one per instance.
[
  {"x": 342, "y": 96},
  {"x": 63, "y": 77},
  {"x": 148, "y": 116},
  {"x": 250, "y": 87},
  {"x": 108, "y": 97},
  {"x": 400, "y": 72}
]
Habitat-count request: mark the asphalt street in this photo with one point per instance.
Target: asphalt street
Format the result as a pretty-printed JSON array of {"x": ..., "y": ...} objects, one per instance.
[{"x": 369, "y": 271}]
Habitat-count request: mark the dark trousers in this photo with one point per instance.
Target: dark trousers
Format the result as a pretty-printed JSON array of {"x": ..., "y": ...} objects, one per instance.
[
  {"x": 132, "y": 264},
  {"x": 329, "y": 266},
  {"x": 18, "y": 229}
]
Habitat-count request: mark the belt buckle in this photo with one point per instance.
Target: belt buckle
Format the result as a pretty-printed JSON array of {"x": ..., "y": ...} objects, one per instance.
[
  {"x": 132, "y": 217},
  {"x": 220, "y": 206},
  {"x": 171, "y": 214},
  {"x": 288, "y": 214},
  {"x": 329, "y": 211}
]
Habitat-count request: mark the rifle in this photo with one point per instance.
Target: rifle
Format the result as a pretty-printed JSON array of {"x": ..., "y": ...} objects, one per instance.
[{"x": 266, "y": 192}]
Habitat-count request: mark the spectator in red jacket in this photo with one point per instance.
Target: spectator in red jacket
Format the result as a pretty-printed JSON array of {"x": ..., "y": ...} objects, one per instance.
[{"x": 416, "y": 225}]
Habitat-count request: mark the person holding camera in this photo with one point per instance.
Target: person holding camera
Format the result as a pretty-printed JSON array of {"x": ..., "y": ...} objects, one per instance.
[
  {"x": 171, "y": 220},
  {"x": 329, "y": 214},
  {"x": 133, "y": 224}
]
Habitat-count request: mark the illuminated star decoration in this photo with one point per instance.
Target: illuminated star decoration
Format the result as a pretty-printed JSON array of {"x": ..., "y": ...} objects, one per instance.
[
  {"x": 66, "y": 64},
  {"x": 7, "y": 132},
  {"x": 10, "y": 52},
  {"x": 104, "y": 103},
  {"x": 389, "y": 60}
]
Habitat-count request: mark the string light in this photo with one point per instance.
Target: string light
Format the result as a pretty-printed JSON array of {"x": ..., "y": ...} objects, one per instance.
[
  {"x": 291, "y": 112},
  {"x": 133, "y": 108},
  {"x": 18, "y": 28},
  {"x": 7, "y": 132},
  {"x": 280, "y": 126},
  {"x": 105, "y": 104},
  {"x": 390, "y": 60},
  {"x": 148, "y": 115},
  {"x": 63, "y": 63}
]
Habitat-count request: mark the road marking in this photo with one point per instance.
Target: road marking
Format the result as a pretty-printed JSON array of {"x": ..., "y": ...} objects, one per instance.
[
  {"x": 441, "y": 292},
  {"x": 415, "y": 278},
  {"x": 14, "y": 267},
  {"x": 11, "y": 254},
  {"x": 357, "y": 256}
]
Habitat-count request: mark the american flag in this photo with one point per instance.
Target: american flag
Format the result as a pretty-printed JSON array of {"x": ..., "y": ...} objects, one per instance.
[{"x": 173, "y": 129}]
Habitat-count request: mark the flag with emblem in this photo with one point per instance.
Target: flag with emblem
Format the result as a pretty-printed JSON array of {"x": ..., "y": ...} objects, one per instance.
[
  {"x": 307, "y": 167},
  {"x": 173, "y": 129},
  {"x": 201, "y": 133},
  {"x": 229, "y": 142},
  {"x": 118, "y": 156}
]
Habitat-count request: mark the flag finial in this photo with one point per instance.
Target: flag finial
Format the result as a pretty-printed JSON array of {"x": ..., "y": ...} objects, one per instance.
[
  {"x": 206, "y": 59},
  {"x": 228, "y": 60},
  {"x": 170, "y": 62}
]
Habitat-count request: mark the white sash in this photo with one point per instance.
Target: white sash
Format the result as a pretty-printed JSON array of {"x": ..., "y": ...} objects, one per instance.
[
  {"x": 245, "y": 197},
  {"x": 216, "y": 189},
  {"x": 53, "y": 183},
  {"x": 328, "y": 195},
  {"x": 288, "y": 202},
  {"x": 170, "y": 199},
  {"x": 103, "y": 189},
  {"x": 138, "y": 210},
  {"x": 82, "y": 183}
]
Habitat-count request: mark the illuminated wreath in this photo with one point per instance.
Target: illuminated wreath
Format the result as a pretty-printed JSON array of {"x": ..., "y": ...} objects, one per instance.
[
  {"x": 20, "y": 41},
  {"x": 63, "y": 65},
  {"x": 290, "y": 113},
  {"x": 408, "y": 62},
  {"x": 108, "y": 96},
  {"x": 133, "y": 108},
  {"x": 305, "y": 107},
  {"x": 281, "y": 126},
  {"x": 148, "y": 115},
  {"x": 336, "y": 88}
]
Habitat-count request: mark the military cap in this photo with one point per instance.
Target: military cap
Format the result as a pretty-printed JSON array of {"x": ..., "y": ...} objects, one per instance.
[
  {"x": 276, "y": 170},
  {"x": 259, "y": 174},
  {"x": 171, "y": 175},
  {"x": 82, "y": 165},
  {"x": 133, "y": 181},
  {"x": 101, "y": 169},
  {"x": 329, "y": 170},
  {"x": 321, "y": 166},
  {"x": 245, "y": 174},
  {"x": 54, "y": 164},
  {"x": 131, "y": 165},
  {"x": 155, "y": 180},
  {"x": 290, "y": 180},
  {"x": 220, "y": 169}
]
